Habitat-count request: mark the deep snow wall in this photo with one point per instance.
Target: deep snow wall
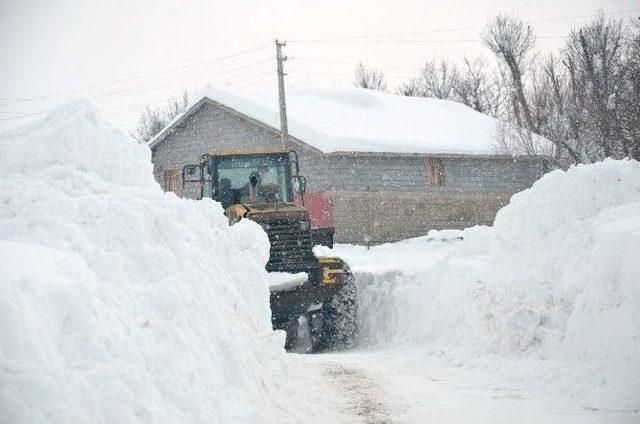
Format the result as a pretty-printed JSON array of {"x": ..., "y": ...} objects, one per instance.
[
  {"x": 120, "y": 303},
  {"x": 549, "y": 294}
]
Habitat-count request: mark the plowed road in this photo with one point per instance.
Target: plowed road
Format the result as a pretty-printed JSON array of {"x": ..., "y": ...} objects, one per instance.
[{"x": 389, "y": 387}]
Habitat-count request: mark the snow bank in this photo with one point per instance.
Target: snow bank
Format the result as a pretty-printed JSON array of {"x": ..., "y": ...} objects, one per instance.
[
  {"x": 356, "y": 119},
  {"x": 120, "y": 303},
  {"x": 550, "y": 293}
]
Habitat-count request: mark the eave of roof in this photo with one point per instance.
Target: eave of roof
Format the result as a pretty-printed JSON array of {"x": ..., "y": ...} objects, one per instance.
[
  {"x": 495, "y": 156},
  {"x": 263, "y": 151}
]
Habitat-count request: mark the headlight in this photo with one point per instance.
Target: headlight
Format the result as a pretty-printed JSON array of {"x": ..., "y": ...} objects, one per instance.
[{"x": 305, "y": 225}]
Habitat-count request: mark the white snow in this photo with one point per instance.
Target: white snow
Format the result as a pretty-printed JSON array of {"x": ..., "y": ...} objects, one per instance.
[
  {"x": 120, "y": 303},
  {"x": 284, "y": 281},
  {"x": 549, "y": 296},
  {"x": 356, "y": 119}
]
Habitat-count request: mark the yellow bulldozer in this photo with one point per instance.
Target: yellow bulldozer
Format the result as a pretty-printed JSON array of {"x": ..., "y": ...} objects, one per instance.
[{"x": 266, "y": 187}]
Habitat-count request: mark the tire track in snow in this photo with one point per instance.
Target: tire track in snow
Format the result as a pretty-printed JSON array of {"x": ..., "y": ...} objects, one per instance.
[{"x": 364, "y": 398}]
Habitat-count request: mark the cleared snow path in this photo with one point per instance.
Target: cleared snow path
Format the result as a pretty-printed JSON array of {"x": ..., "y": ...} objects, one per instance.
[
  {"x": 347, "y": 392},
  {"x": 401, "y": 387}
]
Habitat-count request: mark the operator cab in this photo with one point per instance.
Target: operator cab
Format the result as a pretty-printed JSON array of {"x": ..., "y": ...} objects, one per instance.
[{"x": 254, "y": 177}]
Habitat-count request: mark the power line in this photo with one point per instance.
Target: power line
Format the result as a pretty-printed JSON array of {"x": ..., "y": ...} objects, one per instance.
[
  {"x": 476, "y": 27},
  {"x": 339, "y": 62},
  {"x": 129, "y": 108},
  {"x": 413, "y": 41},
  {"x": 169, "y": 70},
  {"x": 344, "y": 75},
  {"x": 156, "y": 85},
  {"x": 161, "y": 85},
  {"x": 380, "y": 41},
  {"x": 249, "y": 80}
]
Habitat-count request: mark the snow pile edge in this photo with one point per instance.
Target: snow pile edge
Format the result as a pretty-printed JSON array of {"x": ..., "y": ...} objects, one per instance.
[
  {"x": 550, "y": 294},
  {"x": 119, "y": 302}
]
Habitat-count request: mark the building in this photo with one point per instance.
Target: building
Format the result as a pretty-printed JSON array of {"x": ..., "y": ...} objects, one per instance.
[{"x": 394, "y": 167}]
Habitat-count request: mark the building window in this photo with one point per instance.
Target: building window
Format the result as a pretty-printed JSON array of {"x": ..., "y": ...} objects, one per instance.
[
  {"x": 171, "y": 180},
  {"x": 436, "y": 171}
]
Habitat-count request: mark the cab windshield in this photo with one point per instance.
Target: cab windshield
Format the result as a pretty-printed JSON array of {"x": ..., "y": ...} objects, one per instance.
[{"x": 252, "y": 179}]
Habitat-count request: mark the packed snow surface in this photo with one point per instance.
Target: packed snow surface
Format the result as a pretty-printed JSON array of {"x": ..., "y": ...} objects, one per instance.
[
  {"x": 549, "y": 295},
  {"x": 356, "y": 119},
  {"x": 120, "y": 303}
]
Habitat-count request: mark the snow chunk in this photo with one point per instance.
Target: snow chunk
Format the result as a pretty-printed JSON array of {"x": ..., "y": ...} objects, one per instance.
[
  {"x": 284, "y": 281},
  {"x": 250, "y": 238},
  {"x": 320, "y": 251}
]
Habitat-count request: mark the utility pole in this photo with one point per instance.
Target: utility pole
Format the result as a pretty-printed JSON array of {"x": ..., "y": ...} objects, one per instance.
[{"x": 283, "y": 106}]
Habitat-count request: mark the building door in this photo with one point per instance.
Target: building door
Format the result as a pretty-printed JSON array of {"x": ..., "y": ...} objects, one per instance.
[
  {"x": 171, "y": 177},
  {"x": 435, "y": 168}
]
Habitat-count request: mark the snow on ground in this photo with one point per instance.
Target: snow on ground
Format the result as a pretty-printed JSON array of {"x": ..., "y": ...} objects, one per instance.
[
  {"x": 356, "y": 119},
  {"x": 407, "y": 388},
  {"x": 120, "y": 303},
  {"x": 548, "y": 297}
]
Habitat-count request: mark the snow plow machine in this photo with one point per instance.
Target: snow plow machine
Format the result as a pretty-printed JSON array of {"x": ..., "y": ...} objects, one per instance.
[{"x": 266, "y": 187}]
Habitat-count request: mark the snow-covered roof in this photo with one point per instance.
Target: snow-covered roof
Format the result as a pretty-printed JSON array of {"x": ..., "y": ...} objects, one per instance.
[{"x": 355, "y": 119}]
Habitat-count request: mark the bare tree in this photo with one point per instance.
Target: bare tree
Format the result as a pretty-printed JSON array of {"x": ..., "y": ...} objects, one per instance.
[
  {"x": 512, "y": 41},
  {"x": 410, "y": 88},
  {"x": 369, "y": 78},
  {"x": 477, "y": 88},
  {"x": 596, "y": 52},
  {"x": 435, "y": 79},
  {"x": 585, "y": 101},
  {"x": 512, "y": 139},
  {"x": 560, "y": 127},
  {"x": 150, "y": 123},
  {"x": 630, "y": 104},
  {"x": 176, "y": 106},
  {"x": 153, "y": 119},
  {"x": 469, "y": 83},
  {"x": 438, "y": 79}
]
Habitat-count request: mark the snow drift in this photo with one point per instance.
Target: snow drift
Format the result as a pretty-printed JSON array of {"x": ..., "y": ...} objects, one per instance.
[
  {"x": 121, "y": 303},
  {"x": 550, "y": 293}
]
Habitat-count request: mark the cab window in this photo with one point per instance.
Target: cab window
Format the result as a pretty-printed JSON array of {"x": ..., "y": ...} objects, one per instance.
[{"x": 235, "y": 175}]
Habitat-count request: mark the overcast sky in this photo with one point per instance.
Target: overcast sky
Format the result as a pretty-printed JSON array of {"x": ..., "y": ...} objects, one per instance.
[{"x": 125, "y": 54}]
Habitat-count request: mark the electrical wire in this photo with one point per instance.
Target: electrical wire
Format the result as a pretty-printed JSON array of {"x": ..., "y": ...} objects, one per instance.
[
  {"x": 129, "y": 108},
  {"x": 436, "y": 31},
  {"x": 169, "y": 70},
  {"x": 338, "y": 62}
]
